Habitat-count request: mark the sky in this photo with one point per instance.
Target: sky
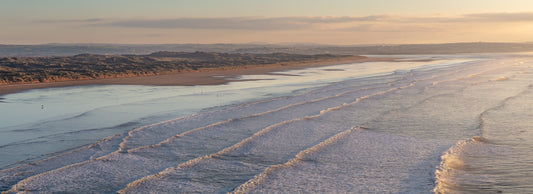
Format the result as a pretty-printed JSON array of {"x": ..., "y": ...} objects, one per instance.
[{"x": 340, "y": 22}]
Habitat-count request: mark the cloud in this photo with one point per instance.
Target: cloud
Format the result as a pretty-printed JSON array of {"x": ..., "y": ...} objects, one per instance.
[
  {"x": 470, "y": 18},
  {"x": 91, "y": 20},
  {"x": 241, "y": 23},
  {"x": 501, "y": 17},
  {"x": 343, "y": 19},
  {"x": 392, "y": 28},
  {"x": 212, "y": 23},
  {"x": 371, "y": 23},
  {"x": 360, "y": 28}
]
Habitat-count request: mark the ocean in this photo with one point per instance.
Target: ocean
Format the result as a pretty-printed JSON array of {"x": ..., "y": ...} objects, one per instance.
[{"x": 433, "y": 123}]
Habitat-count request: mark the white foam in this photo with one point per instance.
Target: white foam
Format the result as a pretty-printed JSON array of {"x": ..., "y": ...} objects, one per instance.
[{"x": 356, "y": 161}]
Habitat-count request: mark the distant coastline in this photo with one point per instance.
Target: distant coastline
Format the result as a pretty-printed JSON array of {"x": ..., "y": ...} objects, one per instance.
[
  {"x": 213, "y": 76},
  {"x": 51, "y": 50}
]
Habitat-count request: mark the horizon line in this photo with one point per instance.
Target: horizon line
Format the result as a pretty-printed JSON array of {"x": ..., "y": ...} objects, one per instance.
[{"x": 267, "y": 43}]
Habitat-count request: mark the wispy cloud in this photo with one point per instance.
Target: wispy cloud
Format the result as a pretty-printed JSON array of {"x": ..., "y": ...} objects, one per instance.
[
  {"x": 91, "y": 20},
  {"x": 241, "y": 23},
  {"x": 468, "y": 18},
  {"x": 391, "y": 28},
  {"x": 372, "y": 23},
  {"x": 501, "y": 17}
]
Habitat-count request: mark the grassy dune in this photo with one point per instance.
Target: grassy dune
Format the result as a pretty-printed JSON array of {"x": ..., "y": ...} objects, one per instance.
[{"x": 88, "y": 66}]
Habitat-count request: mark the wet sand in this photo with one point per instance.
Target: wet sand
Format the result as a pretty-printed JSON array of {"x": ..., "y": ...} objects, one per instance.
[{"x": 203, "y": 77}]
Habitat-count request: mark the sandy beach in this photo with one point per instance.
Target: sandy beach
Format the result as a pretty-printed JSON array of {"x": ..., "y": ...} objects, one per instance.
[{"x": 203, "y": 77}]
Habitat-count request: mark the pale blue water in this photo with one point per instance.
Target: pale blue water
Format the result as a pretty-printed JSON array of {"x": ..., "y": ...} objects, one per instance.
[
  {"x": 460, "y": 124},
  {"x": 43, "y": 121}
]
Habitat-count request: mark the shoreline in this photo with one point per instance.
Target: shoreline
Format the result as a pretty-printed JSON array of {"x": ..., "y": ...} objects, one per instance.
[{"x": 202, "y": 77}]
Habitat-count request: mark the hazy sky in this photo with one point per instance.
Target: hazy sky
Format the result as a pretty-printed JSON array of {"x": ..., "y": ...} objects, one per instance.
[{"x": 272, "y": 21}]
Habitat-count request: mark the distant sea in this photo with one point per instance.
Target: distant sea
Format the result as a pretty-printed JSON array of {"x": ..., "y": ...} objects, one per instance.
[{"x": 430, "y": 123}]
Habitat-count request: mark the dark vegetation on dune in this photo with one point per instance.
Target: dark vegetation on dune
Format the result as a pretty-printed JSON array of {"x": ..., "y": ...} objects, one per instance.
[{"x": 89, "y": 66}]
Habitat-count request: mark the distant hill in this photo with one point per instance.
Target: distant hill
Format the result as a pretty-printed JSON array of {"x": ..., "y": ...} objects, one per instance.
[
  {"x": 47, "y": 50},
  {"x": 407, "y": 49},
  {"x": 122, "y": 49}
]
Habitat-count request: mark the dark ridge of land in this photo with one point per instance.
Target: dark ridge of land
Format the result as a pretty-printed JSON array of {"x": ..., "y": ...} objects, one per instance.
[
  {"x": 307, "y": 49},
  {"x": 15, "y": 70}
]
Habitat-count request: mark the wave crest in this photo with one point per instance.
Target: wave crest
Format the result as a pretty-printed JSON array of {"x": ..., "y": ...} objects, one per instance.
[{"x": 460, "y": 169}]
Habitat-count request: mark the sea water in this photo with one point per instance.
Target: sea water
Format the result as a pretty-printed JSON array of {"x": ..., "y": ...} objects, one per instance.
[
  {"x": 445, "y": 124},
  {"x": 45, "y": 121}
]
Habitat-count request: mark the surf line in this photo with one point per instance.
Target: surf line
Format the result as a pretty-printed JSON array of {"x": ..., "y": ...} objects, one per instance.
[{"x": 195, "y": 161}]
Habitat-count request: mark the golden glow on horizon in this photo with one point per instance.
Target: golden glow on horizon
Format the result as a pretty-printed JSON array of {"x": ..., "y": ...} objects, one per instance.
[{"x": 237, "y": 21}]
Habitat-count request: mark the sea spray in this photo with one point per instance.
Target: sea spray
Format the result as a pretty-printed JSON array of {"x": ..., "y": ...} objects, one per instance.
[
  {"x": 459, "y": 170},
  {"x": 258, "y": 179}
]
